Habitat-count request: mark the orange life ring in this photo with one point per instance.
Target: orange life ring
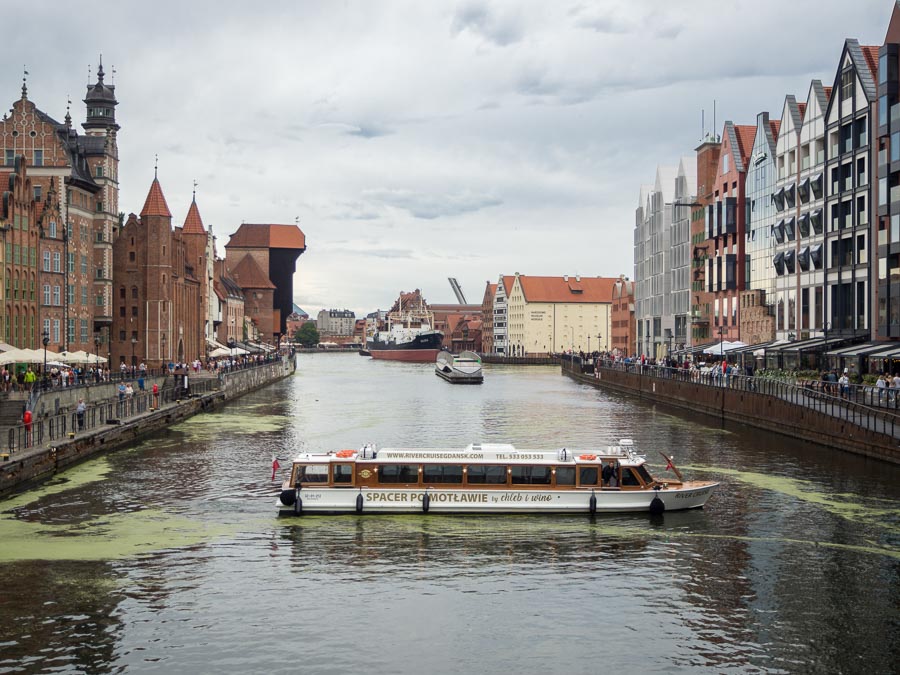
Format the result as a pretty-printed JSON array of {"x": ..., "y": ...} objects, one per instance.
[
  {"x": 587, "y": 457},
  {"x": 345, "y": 453}
]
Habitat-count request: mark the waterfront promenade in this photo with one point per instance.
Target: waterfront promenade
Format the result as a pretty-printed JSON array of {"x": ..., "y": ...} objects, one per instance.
[
  {"x": 858, "y": 421},
  {"x": 35, "y": 450}
]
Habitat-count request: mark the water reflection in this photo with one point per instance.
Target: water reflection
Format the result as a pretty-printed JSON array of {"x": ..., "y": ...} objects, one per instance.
[{"x": 168, "y": 557}]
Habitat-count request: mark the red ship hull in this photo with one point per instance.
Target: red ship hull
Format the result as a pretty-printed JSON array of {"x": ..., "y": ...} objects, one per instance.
[{"x": 411, "y": 355}]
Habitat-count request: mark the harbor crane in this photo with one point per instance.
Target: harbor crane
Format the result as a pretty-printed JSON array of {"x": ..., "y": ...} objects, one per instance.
[{"x": 454, "y": 284}]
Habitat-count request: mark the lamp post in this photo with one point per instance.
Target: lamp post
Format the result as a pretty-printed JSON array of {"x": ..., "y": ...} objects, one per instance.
[
  {"x": 721, "y": 342},
  {"x": 825, "y": 328},
  {"x": 96, "y": 355},
  {"x": 45, "y": 339},
  {"x": 133, "y": 343}
]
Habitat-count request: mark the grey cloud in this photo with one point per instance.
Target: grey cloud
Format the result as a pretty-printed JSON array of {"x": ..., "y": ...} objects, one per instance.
[
  {"x": 431, "y": 206},
  {"x": 388, "y": 253},
  {"x": 600, "y": 22},
  {"x": 478, "y": 18},
  {"x": 369, "y": 131}
]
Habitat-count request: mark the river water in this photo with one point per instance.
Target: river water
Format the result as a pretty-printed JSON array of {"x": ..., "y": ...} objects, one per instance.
[{"x": 168, "y": 557}]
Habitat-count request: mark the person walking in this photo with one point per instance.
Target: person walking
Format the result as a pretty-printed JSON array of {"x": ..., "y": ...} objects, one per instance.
[{"x": 844, "y": 384}]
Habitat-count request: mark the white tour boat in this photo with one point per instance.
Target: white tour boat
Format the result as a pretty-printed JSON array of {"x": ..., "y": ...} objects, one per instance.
[
  {"x": 462, "y": 368},
  {"x": 485, "y": 478}
]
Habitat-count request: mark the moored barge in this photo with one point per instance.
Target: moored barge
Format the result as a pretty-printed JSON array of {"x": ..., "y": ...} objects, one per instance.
[{"x": 485, "y": 478}]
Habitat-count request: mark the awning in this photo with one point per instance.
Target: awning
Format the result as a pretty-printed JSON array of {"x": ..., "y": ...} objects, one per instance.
[
  {"x": 215, "y": 345},
  {"x": 864, "y": 349}
]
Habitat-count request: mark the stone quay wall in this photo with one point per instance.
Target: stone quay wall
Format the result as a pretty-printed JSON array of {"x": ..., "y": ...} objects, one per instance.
[
  {"x": 28, "y": 467},
  {"x": 754, "y": 409}
]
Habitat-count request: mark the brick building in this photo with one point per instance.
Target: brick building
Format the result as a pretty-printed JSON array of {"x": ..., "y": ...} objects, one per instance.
[
  {"x": 487, "y": 318},
  {"x": 157, "y": 311},
  {"x": 74, "y": 180},
  {"x": 701, "y": 299},
  {"x": 623, "y": 337},
  {"x": 263, "y": 259}
]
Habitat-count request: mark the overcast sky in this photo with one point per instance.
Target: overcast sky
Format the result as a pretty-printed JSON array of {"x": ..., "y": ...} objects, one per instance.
[{"x": 422, "y": 140}]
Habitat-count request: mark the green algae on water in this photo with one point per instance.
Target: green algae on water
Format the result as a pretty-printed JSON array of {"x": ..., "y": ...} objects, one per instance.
[{"x": 209, "y": 426}]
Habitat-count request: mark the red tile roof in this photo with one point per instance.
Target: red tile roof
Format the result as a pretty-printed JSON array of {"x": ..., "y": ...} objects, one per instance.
[
  {"x": 250, "y": 235},
  {"x": 802, "y": 108},
  {"x": 775, "y": 126},
  {"x": 248, "y": 274},
  {"x": 871, "y": 54},
  {"x": 560, "y": 289},
  {"x": 193, "y": 224},
  {"x": 508, "y": 284},
  {"x": 828, "y": 93},
  {"x": 746, "y": 135},
  {"x": 156, "y": 202}
]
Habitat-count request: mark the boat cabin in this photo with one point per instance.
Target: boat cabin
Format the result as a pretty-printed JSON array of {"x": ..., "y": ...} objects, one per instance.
[{"x": 485, "y": 466}]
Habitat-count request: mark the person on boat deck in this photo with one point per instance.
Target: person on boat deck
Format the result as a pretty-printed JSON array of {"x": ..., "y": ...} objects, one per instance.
[{"x": 609, "y": 475}]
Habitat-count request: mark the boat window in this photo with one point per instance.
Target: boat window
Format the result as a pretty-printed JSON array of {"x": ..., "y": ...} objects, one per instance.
[
  {"x": 629, "y": 479},
  {"x": 482, "y": 474},
  {"x": 587, "y": 475},
  {"x": 312, "y": 473},
  {"x": 442, "y": 473},
  {"x": 642, "y": 471},
  {"x": 530, "y": 475},
  {"x": 565, "y": 475},
  {"x": 398, "y": 473},
  {"x": 343, "y": 473}
]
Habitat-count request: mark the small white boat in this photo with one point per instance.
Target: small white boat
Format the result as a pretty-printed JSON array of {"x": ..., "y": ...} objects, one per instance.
[
  {"x": 486, "y": 478},
  {"x": 462, "y": 368}
]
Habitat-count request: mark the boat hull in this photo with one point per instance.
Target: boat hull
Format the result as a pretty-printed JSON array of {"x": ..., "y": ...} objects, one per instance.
[
  {"x": 343, "y": 500},
  {"x": 457, "y": 377},
  {"x": 411, "y": 355}
]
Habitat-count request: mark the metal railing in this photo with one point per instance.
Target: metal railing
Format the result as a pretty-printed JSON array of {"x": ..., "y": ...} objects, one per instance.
[
  {"x": 108, "y": 411},
  {"x": 858, "y": 404}
]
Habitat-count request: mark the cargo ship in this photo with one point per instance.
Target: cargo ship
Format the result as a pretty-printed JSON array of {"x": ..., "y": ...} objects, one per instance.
[{"x": 408, "y": 332}]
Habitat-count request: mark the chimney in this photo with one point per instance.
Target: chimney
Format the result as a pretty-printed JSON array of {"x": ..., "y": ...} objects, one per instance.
[
  {"x": 565, "y": 277},
  {"x": 577, "y": 277}
]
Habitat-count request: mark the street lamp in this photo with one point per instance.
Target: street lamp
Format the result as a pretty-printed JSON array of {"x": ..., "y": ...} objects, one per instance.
[
  {"x": 721, "y": 341},
  {"x": 96, "y": 356},
  {"x": 45, "y": 339},
  {"x": 133, "y": 343},
  {"x": 825, "y": 328}
]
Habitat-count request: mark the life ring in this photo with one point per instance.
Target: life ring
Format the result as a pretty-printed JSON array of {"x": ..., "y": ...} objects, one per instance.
[
  {"x": 587, "y": 458},
  {"x": 345, "y": 453}
]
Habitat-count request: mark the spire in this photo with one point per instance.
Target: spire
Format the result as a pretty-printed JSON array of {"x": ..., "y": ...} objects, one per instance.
[
  {"x": 24, "y": 83},
  {"x": 193, "y": 224},
  {"x": 101, "y": 104},
  {"x": 156, "y": 201},
  {"x": 68, "y": 116}
]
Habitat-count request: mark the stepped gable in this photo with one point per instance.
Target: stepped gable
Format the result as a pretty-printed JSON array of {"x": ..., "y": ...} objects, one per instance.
[
  {"x": 248, "y": 274},
  {"x": 193, "y": 223},
  {"x": 156, "y": 202}
]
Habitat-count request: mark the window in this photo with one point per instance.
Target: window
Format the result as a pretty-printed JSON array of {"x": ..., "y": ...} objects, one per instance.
[
  {"x": 122, "y": 336},
  {"x": 398, "y": 473},
  {"x": 57, "y": 260},
  {"x": 134, "y": 311},
  {"x": 442, "y": 473},
  {"x": 70, "y": 263},
  {"x": 131, "y": 256},
  {"x": 84, "y": 330},
  {"x": 46, "y": 327},
  {"x": 56, "y": 296},
  {"x": 848, "y": 82},
  {"x": 588, "y": 475},
  {"x": 629, "y": 479},
  {"x": 121, "y": 311},
  {"x": 342, "y": 473},
  {"x": 46, "y": 261},
  {"x": 70, "y": 294},
  {"x": 46, "y": 294},
  {"x": 98, "y": 171},
  {"x": 10, "y": 158},
  {"x": 37, "y": 193},
  {"x": 565, "y": 475},
  {"x": 312, "y": 473},
  {"x": 134, "y": 293},
  {"x": 481, "y": 474},
  {"x": 84, "y": 295},
  {"x": 70, "y": 330},
  {"x": 84, "y": 265},
  {"x": 530, "y": 475},
  {"x": 51, "y": 229},
  {"x": 55, "y": 337},
  {"x": 39, "y": 158}
]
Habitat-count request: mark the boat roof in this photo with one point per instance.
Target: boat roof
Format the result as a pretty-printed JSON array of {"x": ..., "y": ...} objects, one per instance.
[{"x": 624, "y": 454}]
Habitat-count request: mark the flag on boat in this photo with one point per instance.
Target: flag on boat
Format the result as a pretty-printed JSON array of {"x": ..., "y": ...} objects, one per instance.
[
  {"x": 275, "y": 466},
  {"x": 669, "y": 464}
]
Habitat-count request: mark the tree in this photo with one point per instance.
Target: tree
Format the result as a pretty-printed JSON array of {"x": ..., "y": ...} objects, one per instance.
[{"x": 307, "y": 335}]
